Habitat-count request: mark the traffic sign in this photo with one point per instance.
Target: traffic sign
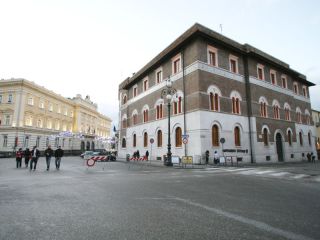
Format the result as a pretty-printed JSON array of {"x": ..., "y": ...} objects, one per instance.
[
  {"x": 151, "y": 140},
  {"x": 185, "y": 140}
]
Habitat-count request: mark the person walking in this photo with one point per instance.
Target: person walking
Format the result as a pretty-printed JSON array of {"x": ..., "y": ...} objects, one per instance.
[
  {"x": 35, "y": 154},
  {"x": 207, "y": 157},
  {"x": 48, "y": 153},
  {"x": 147, "y": 155},
  {"x": 216, "y": 157},
  {"x": 19, "y": 155},
  {"x": 58, "y": 154},
  {"x": 27, "y": 155}
]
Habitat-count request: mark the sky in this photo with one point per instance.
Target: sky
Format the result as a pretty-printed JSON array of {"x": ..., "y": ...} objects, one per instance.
[{"x": 89, "y": 47}]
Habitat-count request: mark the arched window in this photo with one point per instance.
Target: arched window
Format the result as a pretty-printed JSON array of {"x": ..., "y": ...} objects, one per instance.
[
  {"x": 123, "y": 143},
  {"x": 290, "y": 138},
  {"x": 298, "y": 114},
  {"x": 145, "y": 139},
  {"x": 237, "y": 138},
  {"x": 265, "y": 137},
  {"x": 214, "y": 101},
  {"x": 177, "y": 105},
  {"x": 178, "y": 137},
  {"x": 134, "y": 117},
  {"x": 215, "y": 135},
  {"x": 236, "y": 98},
  {"x": 134, "y": 142},
  {"x": 307, "y": 117},
  {"x": 159, "y": 111},
  {"x": 309, "y": 138},
  {"x": 159, "y": 138},
  {"x": 145, "y": 115},
  {"x": 263, "y": 107},
  {"x": 276, "y": 109},
  {"x": 300, "y": 139},
  {"x": 287, "y": 109}
]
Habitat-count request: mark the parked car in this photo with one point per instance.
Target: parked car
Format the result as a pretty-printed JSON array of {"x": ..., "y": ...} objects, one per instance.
[{"x": 88, "y": 154}]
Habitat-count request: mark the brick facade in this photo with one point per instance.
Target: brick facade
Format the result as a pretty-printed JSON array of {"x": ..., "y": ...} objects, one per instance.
[{"x": 194, "y": 84}]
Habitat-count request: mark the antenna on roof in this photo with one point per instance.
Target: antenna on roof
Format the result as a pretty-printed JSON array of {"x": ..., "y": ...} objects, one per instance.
[{"x": 220, "y": 28}]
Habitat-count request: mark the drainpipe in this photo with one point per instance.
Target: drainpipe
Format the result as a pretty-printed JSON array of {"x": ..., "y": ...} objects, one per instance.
[
  {"x": 184, "y": 102},
  {"x": 249, "y": 107}
]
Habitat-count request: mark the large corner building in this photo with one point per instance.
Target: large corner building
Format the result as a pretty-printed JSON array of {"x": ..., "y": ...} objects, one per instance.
[
  {"x": 257, "y": 103},
  {"x": 31, "y": 115}
]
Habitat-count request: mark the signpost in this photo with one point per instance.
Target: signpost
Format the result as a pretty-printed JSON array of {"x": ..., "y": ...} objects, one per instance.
[
  {"x": 185, "y": 138},
  {"x": 151, "y": 142}
]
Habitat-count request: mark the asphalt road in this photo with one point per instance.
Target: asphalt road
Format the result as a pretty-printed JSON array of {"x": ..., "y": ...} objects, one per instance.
[{"x": 113, "y": 201}]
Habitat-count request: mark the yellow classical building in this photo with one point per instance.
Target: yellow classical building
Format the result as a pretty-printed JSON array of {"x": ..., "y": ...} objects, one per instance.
[{"x": 31, "y": 115}]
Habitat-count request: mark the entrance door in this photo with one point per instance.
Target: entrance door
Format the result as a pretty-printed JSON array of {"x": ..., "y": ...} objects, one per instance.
[{"x": 279, "y": 147}]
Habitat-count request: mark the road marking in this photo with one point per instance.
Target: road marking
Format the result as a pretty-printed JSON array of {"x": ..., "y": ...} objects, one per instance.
[
  {"x": 298, "y": 176},
  {"x": 257, "y": 224},
  {"x": 264, "y": 172},
  {"x": 279, "y": 174}
]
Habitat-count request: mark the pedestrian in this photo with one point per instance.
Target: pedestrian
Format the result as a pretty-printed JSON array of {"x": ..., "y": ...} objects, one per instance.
[
  {"x": 48, "y": 153},
  {"x": 35, "y": 154},
  {"x": 27, "y": 156},
  {"x": 309, "y": 157},
  {"x": 216, "y": 157},
  {"x": 58, "y": 154},
  {"x": 147, "y": 155},
  {"x": 19, "y": 155},
  {"x": 207, "y": 157},
  {"x": 138, "y": 154}
]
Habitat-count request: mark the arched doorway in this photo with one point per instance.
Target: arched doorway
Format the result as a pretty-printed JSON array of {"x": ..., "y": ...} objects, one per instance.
[
  {"x": 279, "y": 147},
  {"x": 88, "y": 146},
  {"x": 82, "y": 146}
]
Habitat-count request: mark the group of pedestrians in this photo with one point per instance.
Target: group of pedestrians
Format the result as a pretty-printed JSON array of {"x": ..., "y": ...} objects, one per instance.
[{"x": 33, "y": 156}]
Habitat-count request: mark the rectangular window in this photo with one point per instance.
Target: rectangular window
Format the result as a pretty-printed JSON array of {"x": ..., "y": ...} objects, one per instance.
[
  {"x": 145, "y": 85},
  {"x": 135, "y": 91},
  {"x": 212, "y": 54},
  {"x": 260, "y": 72},
  {"x": 59, "y": 109},
  {"x": 304, "y": 91},
  {"x": 7, "y": 120},
  {"x": 30, "y": 101},
  {"x": 176, "y": 64},
  {"x": 5, "y": 140},
  {"x": 295, "y": 88},
  {"x": 0, "y": 98},
  {"x": 233, "y": 62},
  {"x": 284, "y": 82},
  {"x": 41, "y": 104},
  {"x": 159, "y": 76},
  {"x": 273, "y": 78},
  {"x": 65, "y": 112},
  {"x": 212, "y": 58},
  {"x": 10, "y": 98}
]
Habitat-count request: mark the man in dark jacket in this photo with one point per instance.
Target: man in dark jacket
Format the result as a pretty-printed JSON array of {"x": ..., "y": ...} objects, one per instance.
[
  {"x": 35, "y": 154},
  {"x": 27, "y": 155},
  {"x": 48, "y": 153},
  {"x": 58, "y": 154}
]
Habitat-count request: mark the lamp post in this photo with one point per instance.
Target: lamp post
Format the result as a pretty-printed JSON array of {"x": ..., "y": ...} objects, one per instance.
[{"x": 168, "y": 93}]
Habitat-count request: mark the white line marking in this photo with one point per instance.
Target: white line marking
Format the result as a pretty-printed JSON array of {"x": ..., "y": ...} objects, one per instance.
[
  {"x": 257, "y": 224},
  {"x": 298, "y": 176},
  {"x": 279, "y": 174},
  {"x": 265, "y": 172}
]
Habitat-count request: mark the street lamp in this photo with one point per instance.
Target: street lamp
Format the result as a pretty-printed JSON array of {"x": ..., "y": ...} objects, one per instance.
[{"x": 168, "y": 93}]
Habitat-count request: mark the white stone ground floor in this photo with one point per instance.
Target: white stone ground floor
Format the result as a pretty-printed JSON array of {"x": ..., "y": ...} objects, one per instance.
[{"x": 199, "y": 130}]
